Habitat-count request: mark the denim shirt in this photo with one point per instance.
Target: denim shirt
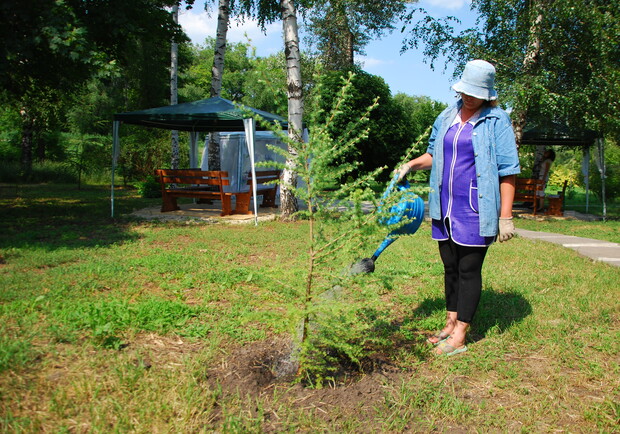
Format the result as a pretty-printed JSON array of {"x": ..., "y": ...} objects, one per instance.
[{"x": 495, "y": 156}]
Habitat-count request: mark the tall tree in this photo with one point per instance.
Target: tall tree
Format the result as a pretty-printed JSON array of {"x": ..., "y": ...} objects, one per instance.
[
  {"x": 342, "y": 28},
  {"x": 555, "y": 58},
  {"x": 48, "y": 44},
  {"x": 286, "y": 10},
  {"x": 288, "y": 203},
  {"x": 174, "y": 89},
  {"x": 217, "y": 72}
]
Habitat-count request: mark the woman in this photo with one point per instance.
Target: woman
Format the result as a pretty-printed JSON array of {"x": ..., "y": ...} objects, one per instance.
[{"x": 473, "y": 159}]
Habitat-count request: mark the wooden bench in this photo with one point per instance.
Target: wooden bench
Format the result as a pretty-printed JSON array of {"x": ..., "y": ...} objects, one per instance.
[
  {"x": 556, "y": 202},
  {"x": 200, "y": 184},
  {"x": 266, "y": 186},
  {"x": 527, "y": 190}
]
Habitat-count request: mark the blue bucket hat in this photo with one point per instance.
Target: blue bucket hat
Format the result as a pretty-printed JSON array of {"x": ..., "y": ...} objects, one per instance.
[{"x": 477, "y": 80}]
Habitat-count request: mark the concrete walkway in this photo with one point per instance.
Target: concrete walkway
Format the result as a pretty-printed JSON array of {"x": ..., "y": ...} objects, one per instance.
[{"x": 603, "y": 251}]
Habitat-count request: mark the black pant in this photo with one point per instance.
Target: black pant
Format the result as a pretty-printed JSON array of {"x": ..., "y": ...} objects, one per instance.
[{"x": 463, "y": 277}]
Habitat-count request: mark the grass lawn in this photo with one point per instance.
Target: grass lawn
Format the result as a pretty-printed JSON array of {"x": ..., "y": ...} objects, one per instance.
[{"x": 126, "y": 325}]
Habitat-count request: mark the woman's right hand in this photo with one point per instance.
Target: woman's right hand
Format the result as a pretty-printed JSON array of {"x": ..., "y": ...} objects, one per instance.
[{"x": 403, "y": 171}]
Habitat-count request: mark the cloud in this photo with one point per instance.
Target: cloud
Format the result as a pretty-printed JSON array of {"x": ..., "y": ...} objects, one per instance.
[
  {"x": 447, "y": 4},
  {"x": 198, "y": 25},
  {"x": 372, "y": 63}
]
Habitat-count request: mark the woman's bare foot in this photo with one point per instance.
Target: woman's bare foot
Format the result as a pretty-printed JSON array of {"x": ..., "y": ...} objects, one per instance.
[
  {"x": 446, "y": 331},
  {"x": 457, "y": 336}
]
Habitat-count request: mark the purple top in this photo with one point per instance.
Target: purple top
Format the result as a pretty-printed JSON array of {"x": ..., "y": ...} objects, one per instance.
[{"x": 459, "y": 189}]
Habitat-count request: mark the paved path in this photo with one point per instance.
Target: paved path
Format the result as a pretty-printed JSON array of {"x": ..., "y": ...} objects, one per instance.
[{"x": 598, "y": 250}]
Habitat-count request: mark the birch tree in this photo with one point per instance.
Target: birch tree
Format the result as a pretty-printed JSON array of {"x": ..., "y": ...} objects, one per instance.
[
  {"x": 217, "y": 72},
  {"x": 288, "y": 203},
  {"x": 174, "y": 75},
  {"x": 267, "y": 12}
]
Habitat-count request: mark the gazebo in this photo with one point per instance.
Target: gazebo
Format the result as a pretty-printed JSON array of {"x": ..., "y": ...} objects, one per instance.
[
  {"x": 203, "y": 116},
  {"x": 555, "y": 134}
]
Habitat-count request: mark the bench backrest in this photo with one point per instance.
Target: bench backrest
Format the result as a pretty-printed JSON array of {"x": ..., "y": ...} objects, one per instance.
[
  {"x": 264, "y": 176},
  {"x": 193, "y": 177},
  {"x": 561, "y": 193},
  {"x": 526, "y": 187}
]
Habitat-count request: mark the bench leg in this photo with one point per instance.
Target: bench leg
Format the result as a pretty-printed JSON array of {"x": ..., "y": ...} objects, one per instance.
[
  {"x": 169, "y": 203},
  {"x": 242, "y": 205},
  {"x": 269, "y": 199},
  {"x": 555, "y": 207},
  {"x": 226, "y": 206}
]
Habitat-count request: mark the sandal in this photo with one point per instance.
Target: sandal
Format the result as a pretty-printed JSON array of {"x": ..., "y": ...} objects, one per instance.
[
  {"x": 448, "y": 350},
  {"x": 440, "y": 335}
]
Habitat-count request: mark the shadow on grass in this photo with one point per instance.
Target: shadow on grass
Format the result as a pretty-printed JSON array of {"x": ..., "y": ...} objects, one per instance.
[
  {"x": 497, "y": 311},
  {"x": 55, "y": 216}
]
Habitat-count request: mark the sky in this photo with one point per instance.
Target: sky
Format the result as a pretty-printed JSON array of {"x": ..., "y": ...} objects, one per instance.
[{"x": 406, "y": 73}]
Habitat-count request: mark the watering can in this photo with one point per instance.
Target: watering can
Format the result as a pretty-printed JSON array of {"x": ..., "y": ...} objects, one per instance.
[{"x": 404, "y": 218}]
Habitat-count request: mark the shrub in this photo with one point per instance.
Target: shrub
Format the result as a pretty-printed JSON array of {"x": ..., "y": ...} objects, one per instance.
[{"x": 149, "y": 188}]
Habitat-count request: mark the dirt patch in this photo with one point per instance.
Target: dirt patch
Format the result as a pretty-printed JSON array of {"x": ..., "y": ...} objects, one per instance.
[{"x": 264, "y": 370}]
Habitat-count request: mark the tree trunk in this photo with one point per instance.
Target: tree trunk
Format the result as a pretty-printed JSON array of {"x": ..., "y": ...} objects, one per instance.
[
  {"x": 26, "y": 145},
  {"x": 288, "y": 202},
  {"x": 350, "y": 53},
  {"x": 217, "y": 71},
  {"x": 174, "y": 74},
  {"x": 530, "y": 62},
  {"x": 41, "y": 149}
]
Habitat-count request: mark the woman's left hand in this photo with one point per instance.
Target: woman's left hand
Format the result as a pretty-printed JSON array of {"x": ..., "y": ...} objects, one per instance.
[{"x": 506, "y": 229}]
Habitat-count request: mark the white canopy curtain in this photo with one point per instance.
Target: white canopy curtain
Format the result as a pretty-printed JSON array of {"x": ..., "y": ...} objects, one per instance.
[{"x": 250, "y": 127}]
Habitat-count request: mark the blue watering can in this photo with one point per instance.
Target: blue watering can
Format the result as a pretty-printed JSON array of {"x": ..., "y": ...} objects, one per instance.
[{"x": 404, "y": 217}]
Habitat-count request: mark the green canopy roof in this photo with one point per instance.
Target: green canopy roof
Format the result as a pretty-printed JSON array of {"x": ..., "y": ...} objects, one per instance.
[
  {"x": 556, "y": 134},
  {"x": 206, "y": 115}
]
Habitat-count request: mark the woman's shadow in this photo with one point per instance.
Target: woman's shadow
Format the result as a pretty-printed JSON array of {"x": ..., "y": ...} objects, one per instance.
[{"x": 497, "y": 311}]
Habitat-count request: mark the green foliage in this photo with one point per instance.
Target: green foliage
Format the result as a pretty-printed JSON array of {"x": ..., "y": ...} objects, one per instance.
[
  {"x": 143, "y": 150},
  {"x": 342, "y": 28},
  {"x": 419, "y": 114},
  {"x": 93, "y": 106},
  {"x": 60, "y": 45},
  {"x": 47, "y": 171},
  {"x": 388, "y": 135},
  {"x": 87, "y": 154},
  {"x": 9, "y": 134},
  {"x": 556, "y": 60},
  {"x": 258, "y": 82},
  {"x": 150, "y": 187},
  {"x": 612, "y": 173}
]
